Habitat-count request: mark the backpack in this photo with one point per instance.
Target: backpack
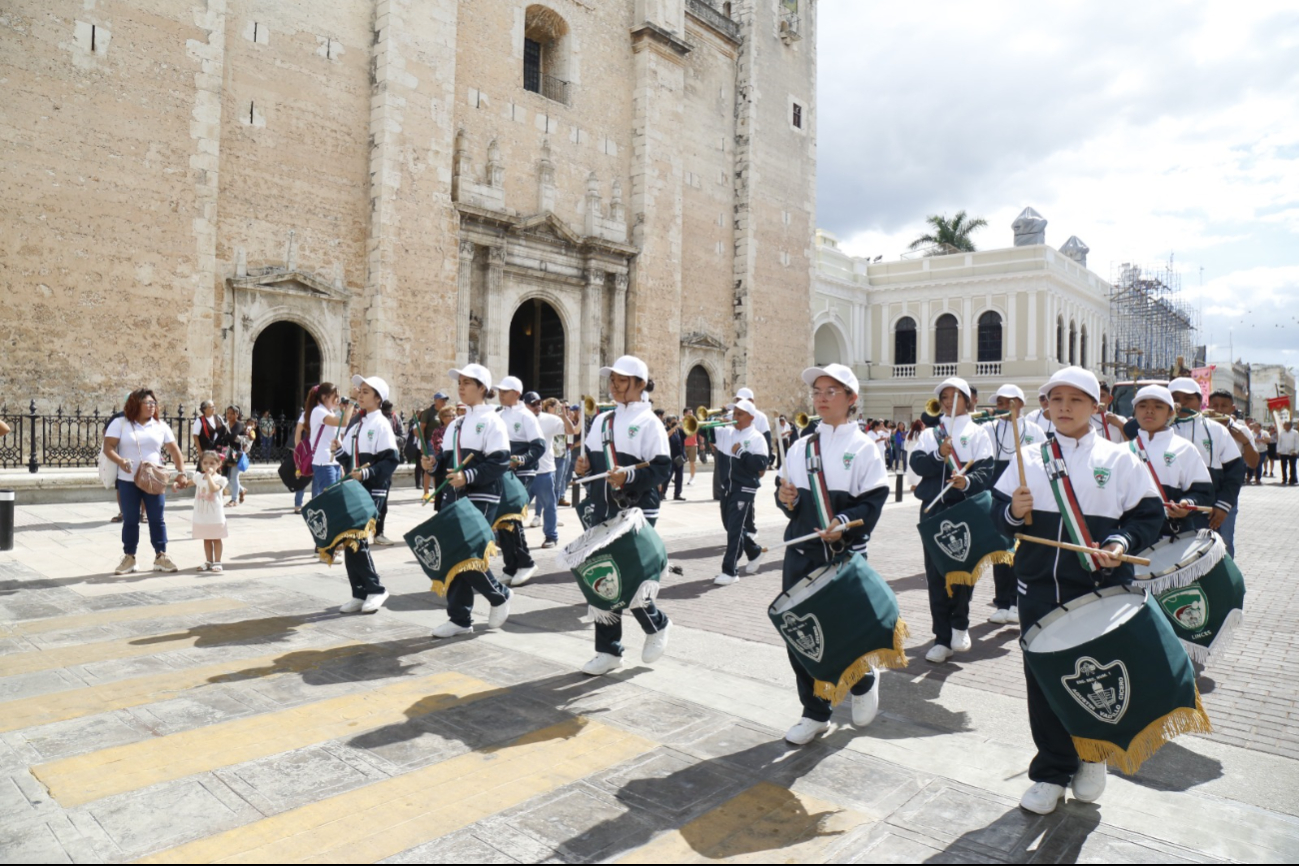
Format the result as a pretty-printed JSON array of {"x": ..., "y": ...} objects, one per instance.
[{"x": 304, "y": 454}]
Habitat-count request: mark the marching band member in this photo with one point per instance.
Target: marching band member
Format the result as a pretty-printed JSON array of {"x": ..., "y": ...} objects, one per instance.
[
  {"x": 959, "y": 451},
  {"x": 1105, "y": 422},
  {"x": 479, "y": 433},
  {"x": 368, "y": 453},
  {"x": 629, "y": 434},
  {"x": 1089, "y": 488},
  {"x": 844, "y": 480},
  {"x": 1220, "y": 453},
  {"x": 1222, "y": 402},
  {"x": 526, "y": 447},
  {"x": 1004, "y": 434},
  {"x": 760, "y": 421},
  {"x": 746, "y": 458},
  {"x": 1041, "y": 416},
  {"x": 1174, "y": 463}
]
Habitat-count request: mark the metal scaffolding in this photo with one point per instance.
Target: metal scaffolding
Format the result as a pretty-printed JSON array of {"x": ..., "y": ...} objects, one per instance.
[{"x": 1150, "y": 326}]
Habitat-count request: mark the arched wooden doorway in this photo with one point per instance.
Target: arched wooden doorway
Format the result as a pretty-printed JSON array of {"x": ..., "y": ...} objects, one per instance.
[
  {"x": 537, "y": 348},
  {"x": 286, "y": 362},
  {"x": 699, "y": 388}
]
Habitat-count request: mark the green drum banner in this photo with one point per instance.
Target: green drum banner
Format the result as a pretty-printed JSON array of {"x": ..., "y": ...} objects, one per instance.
[
  {"x": 341, "y": 517},
  {"x": 456, "y": 539},
  {"x": 1204, "y": 614},
  {"x": 514, "y": 503},
  {"x": 964, "y": 542},
  {"x": 617, "y": 564}
]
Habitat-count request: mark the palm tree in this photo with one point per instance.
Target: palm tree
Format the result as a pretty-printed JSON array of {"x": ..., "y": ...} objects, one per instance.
[{"x": 949, "y": 236}]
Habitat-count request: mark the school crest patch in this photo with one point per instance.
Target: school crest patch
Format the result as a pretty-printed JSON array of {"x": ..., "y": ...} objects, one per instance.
[
  {"x": 965, "y": 440},
  {"x": 317, "y": 524},
  {"x": 804, "y": 634},
  {"x": 632, "y": 431},
  {"x": 847, "y": 459},
  {"x": 481, "y": 425},
  {"x": 1101, "y": 474},
  {"x": 1169, "y": 458},
  {"x": 1208, "y": 444},
  {"x": 954, "y": 539},
  {"x": 518, "y": 426},
  {"x": 1101, "y": 690},
  {"x": 428, "y": 551}
]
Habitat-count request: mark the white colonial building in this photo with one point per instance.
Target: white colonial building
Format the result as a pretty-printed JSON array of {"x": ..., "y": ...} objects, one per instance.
[{"x": 1016, "y": 314}]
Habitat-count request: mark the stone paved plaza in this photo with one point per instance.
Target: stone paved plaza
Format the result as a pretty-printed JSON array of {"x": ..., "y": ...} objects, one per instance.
[{"x": 195, "y": 718}]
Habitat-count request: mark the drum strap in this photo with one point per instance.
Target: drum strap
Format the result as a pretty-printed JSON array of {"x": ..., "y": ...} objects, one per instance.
[
  {"x": 816, "y": 481},
  {"x": 1057, "y": 472},
  {"x": 1139, "y": 449},
  {"x": 951, "y": 458},
  {"x": 606, "y": 443}
]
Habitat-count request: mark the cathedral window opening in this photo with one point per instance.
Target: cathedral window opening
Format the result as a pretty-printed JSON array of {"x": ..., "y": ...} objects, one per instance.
[
  {"x": 1073, "y": 343},
  {"x": 798, "y": 115},
  {"x": 1082, "y": 347},
  {"x": 904, "y": 341},
  {"x": 251, "y": 107},
  {"x": 699, "y": 387},
  {"x": 92, "y": 38},
  {"x": 537, "y": 347},
  {"x": 286, "y": 362},
  {"x": 946, "y": 332},
  {"x": 989, "y": 337},
  {"x": 255, "y": 26},
  {"x": 1059, "y": 339},
  {"x": 545, "y": 54}
]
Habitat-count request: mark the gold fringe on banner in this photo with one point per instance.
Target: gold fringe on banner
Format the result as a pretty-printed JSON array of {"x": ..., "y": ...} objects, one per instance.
[
  {"x": 1182, "y": 720},
  {"x": 472, "y": 564},
  {"x": 855, "y": 672},
  {"x": 506, "y": 518},
  {"x": 981, "y": 569},
  {"x": 351, "y": 539}
]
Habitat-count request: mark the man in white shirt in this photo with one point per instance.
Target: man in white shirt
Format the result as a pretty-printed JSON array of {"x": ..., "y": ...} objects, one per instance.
[{"x": 1287, "y": 449}]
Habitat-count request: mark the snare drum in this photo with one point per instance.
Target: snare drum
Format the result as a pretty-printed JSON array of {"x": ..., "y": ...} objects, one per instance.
[
  {"x": 964, "y": 542},
  {"x": 341, "y": 517},
  {"x": 1115, "y": 675},
  {"x": 839, "y": 622},
  {"x": 1199, "y": 588},
  {"x": 617, "y": 564},
  {"x": 456, "y": 539},
  {"x": 1177, "y": 560}
]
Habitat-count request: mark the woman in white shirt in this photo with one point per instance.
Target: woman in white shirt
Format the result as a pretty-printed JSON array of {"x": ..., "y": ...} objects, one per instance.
[
  {"x": 321, "y": 429},
  {"x": 140, "y": 437}
]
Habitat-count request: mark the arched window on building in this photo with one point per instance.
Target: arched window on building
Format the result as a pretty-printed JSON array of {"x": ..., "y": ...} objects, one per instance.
[
  {"x": 1073, "y": 343},
  {"x": 990, "y": 336},
  {"x": 904, "y": 341},
  {"x": 545, "y": 53},
  {"x": 946, "y": 332},
  {"x": 1082, "y": 347},
  {"x": 1059, "y": 339}
]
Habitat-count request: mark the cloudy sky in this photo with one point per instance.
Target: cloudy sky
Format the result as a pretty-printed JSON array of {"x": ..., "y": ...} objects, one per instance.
[{"x": 1146, "y": 129}]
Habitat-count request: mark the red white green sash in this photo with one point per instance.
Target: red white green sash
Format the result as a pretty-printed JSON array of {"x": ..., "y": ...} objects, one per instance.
[
  {"x": 816, "y": 481},
  {"x": 1139, "y": 449},
  {"x": 606, "y": 444},
  {"x": 1057, "y": 472},
  {"x": 952, "y": 462}
]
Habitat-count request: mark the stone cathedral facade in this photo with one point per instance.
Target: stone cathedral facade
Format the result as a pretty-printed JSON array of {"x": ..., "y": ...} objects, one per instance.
[{"x": 235, "y": 198}]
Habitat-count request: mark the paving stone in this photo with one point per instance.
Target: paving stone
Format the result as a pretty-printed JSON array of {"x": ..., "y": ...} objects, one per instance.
[
  {"x": 973, "y": 819},
  {"x": 78, "y": 736},
  {"x": 1080, "y": 838},
  {"x": 33, "y": 843},
  {"x": 500, "y": 718},
  {"x": 671, "y": 784},
  {"x": 859, "y": 782},
  {"x": 290, "y": 779},
  {"x": 207, "y": 706},
  {"x": 663, "y": 720},
  {"x": 461, "y": 847},
  {"x": 888, "y": 844},
  {"x": 415, "y": 743},
  {"x": 194, "y": 807},
  {"x": 580, "y": 826},
  {"x": 39, "y": 683}
]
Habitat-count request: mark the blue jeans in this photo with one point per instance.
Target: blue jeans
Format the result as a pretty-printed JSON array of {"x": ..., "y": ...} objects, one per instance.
[
  {"x": 298, "y": 496},
  {"x": 570, "y": 465},
  {"x": 154, "y": 504},
  {"x": 560, "y": 473},
  {"x": 543, "y": 488},
  {"x": 324, "y": 476},
  {"x": 1228, "y": 530},
  {"x": 234, "y": 483}
]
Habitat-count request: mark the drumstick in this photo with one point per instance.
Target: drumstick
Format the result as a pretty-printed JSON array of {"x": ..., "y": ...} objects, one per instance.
[
  {"x": 1019, "y": 455},
  {"x": 1064, "y": 545},
  {"x": 589, "y": 478},
  {"x": 447, "y": 481},
  {"x": 943, "y": 492},
  {"x": 809, "y": 537}
]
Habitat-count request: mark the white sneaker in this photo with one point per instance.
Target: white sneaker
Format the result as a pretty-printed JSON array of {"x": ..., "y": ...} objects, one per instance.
[
  {"x": 655, "y": 645},
  {"x": 382, "y": 540},
  {"x": 374, "y": 602},
  {"x": 961, "y": 640},
  {"x": 500, "y": 613},
  {"x": 1012, "y": 615},
  {"x": 523, "y": 576},
  {"x": 805, "y": 731},
  {"x": 126, "y": 566},
  {"x": 1089, "y": 782},
  {"x": 938, "y": 654},
  {"x": 450, "y": 629},
  {"x": 535, "y": 522},
  {"x": 999, "y": 616},
  {"x": 352, "y": 605},
  {"x": 724, "y": 579},
  {"x": 865, "y": 707},
  {"x": 752, "y": 566},
  {"x": 691, "y": 481},
  {"x": 603, "y": 663},
  {"x": 1042, "y": 798}
]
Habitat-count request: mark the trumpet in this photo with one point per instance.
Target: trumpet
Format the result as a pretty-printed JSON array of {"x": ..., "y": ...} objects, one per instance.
[
  {"x": 593, "y": 408},
  {"x": 703, "y": 413},
  {"x": 983, "y": 416},
  {"x": 933, "y": 407},
  {"x": 692, "y": 425},
  {"x": 802, "y": 420}
]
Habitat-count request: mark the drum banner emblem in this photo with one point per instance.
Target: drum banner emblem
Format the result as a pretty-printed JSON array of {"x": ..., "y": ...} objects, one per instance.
[
  {"x": 804, "y": 634},
  {"x": 954, "y": 539},
  {"x": 429, "y": 552},
  {"x": 602, "y": 575},
  {"x": 1188, "y": 605},
  {"x": 317, "y": 524},
  {"x": 1101, "y": 690}
]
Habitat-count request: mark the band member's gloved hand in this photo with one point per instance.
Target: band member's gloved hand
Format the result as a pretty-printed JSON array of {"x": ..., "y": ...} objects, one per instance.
[
  {"x": 960, "y": 482},
  {"x": 1107, "y": 561},
  {"x": 582, "y": 466},
  {"x": 1021, "y": 503},
  {"x": 1216, "y": 519},
  {"x": 788, "y": 494}
]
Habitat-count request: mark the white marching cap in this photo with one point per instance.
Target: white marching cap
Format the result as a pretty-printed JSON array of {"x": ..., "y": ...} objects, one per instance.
[
  {"x": 628, "y": 365},
  {"x": 1011, "y": 392},
  {"x": 477, "y": 372},
  {"x": 376, "y": 384},
  {"x": 837, "y": 372},
  {"x": 1184, "y": 385},
  {"x": 746, "y": 406},
  {"x": 1076, "y": 377},
  {"x": 744, "y": 394},
  {"x": 954, "y": 382},
  {"x": 1155, "y": 392},
  {"x": 510, "y": 383}
]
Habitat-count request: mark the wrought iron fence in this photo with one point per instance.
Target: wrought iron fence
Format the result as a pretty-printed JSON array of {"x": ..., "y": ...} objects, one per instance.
[{"x": 74, "y": 439}]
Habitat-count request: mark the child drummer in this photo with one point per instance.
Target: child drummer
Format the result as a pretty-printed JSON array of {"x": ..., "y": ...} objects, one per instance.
[
  {"x": 844, "y": 481},
  {"x": 1173, "y": 462},
  {"x": 1097, "y": 494},
  {"x": 742, "y": 452},
  {"x": 1005, "y": 431}
]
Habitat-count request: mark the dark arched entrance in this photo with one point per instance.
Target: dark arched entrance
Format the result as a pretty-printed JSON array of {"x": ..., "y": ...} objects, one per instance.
[
  {"x": 286, "y": 362},
  {"x": 537, "y": 348},
  {"x": 699, "y": 388}
]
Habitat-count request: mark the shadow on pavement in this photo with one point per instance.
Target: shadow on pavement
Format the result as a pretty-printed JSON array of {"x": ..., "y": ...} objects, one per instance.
[
  {"x": 1176, "y": 768},
  {"x": 1018, "y": 837}
]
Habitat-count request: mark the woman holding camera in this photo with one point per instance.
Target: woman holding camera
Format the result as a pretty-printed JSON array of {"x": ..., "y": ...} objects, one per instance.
[{"x": 322, "y": 402}]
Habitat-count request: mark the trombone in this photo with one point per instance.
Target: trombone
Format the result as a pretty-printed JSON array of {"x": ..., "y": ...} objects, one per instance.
[
  {"x": 692, "y": 425},
  {"x": 802, "y": 420}
]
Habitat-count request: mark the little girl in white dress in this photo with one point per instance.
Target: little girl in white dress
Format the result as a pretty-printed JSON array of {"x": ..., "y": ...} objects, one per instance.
[{"x": 209, "y": 514}]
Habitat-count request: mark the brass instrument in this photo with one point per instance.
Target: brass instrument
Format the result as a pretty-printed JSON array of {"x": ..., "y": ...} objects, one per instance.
[
  {"x": 703, "y": 413},
  {"x": 933, "y": 407},
  {"x": 692, "y": 425},
  {"x": 593, "y": 408},
  {"x": 1185, "y": 414},
  {"x": 802, "y": 420},
  {"x": 983, "y": 416}
]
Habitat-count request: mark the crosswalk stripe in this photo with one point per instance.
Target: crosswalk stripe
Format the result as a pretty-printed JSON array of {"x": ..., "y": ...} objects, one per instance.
[
  {"x": 137, "y": 691},
  {"x": 119, "y": 614},
  {"x": 124, "y": 648},
  {"x": 390, "y": 816},
  {"x": 81, "y": 779},
  {"x": 762, "y": 824}
]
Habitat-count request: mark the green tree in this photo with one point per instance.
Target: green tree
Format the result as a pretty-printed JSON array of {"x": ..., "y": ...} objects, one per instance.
[{"x": 949, "y": 235}]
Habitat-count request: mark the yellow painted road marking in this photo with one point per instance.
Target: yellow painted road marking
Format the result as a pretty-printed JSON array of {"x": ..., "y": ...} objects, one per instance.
[
  {"x": 215, "y": 635},
  {"x": 387, "y": 817},
  {"x": 81, "y": 779},
  {"x": 763, "y": 824},
  {"x": 137, "y": 691},
  {"x": 120, "y": 614}
]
